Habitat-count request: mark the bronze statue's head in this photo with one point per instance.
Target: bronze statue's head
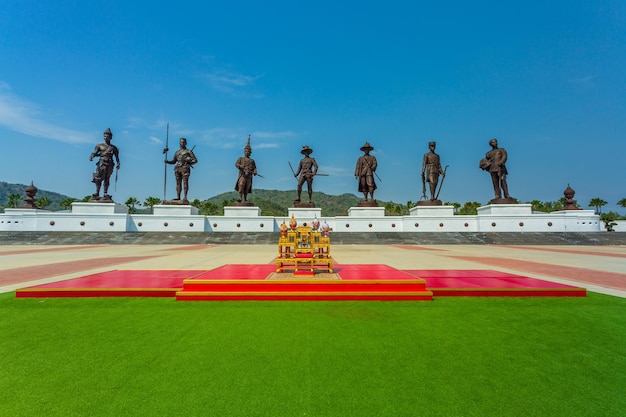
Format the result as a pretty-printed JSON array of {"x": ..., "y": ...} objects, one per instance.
[
  {"x": 367, "y": 147},
  {"x": 247, "y": 150},
  {"x": 306, "y": 150},
  {"x": 107, "y": 133},
  {"x": 493, "y": 142},
  {"x": 183, "y": 142},
  {"x": 432, "y": 144}
]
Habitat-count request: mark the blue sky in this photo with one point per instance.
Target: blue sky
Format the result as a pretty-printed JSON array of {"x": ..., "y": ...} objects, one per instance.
[{"x": 548, "y": 79}]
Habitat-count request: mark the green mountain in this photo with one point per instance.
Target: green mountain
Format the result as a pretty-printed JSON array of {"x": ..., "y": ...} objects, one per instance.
[
  {"x": 276, "y": 203},
  {"x": 271, "y": 202},
  {"x": 7, "y": 189}
]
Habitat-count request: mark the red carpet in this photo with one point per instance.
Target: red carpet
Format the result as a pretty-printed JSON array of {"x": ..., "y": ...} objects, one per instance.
[
  {"x": 246, "y": 282},
  {"x": 485, "y": 283},
  {"x": 117, "y": 283}
]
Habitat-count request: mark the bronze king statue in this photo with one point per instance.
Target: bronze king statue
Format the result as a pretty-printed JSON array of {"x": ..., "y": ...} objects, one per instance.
[
  {"x": 108, "y": 154},
  {"x": 307, "y": 170},
  {"x": 494, "y": 163},
  {"x": 364, "y": 172},
  {"x": 183, "y": 160},
  {"x": 431, "y": 170},
  {"x": 247, "y": 170}
]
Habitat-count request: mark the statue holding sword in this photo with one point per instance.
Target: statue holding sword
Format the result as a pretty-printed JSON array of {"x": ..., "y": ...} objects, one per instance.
[
  {"x": 364, "y": 172},
  {"x": 247, "y": 169},
  {"x": 307, "y": 170}
]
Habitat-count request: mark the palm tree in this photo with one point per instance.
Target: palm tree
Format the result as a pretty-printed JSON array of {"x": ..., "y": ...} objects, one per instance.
[
  {"x": 597, "y": 203},
  {"x": 209, "y": 208},
  {"x": 42, "y": 202},
  {"x": 622, "y": 203},
  {"x": 469, "y": 208},
  {"x": 130, "y": 203},
  {"x": 151, "y": 202},
  {"x": 67, "y": 203},
  {"x": 536, "y": 205},
  {"x": 609, "y": 221},
  {"x": 394, "y": 209},
  {"x": 13, "y": 200}
]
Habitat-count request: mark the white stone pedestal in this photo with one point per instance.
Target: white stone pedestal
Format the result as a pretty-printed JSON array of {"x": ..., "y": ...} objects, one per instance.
[
  {"x": 432, "y": 211},
  {"x": 20, "y": 211},
  {"x": 304, "y": 215},
  {"x": 242, "y": 211},
  {"x": 98, "y": 208},
  {"x": 174, "y": 210},
  {"x": 366, "y": 212},
  {"x": 505, "y": 210}
]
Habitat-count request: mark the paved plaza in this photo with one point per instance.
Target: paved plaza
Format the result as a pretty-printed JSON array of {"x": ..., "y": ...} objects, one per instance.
[{"x": 597, "y": 268}]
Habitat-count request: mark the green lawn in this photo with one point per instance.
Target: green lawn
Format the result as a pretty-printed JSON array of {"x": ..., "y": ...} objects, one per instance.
[{"x": 448, "y": 357}]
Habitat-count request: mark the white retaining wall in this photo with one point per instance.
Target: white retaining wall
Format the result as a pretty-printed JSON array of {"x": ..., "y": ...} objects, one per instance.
[{"x": 109, "y": 217}]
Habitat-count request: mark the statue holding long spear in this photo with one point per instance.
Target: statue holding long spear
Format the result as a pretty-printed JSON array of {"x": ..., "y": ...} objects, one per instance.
[{"x": 167, "y": 138}]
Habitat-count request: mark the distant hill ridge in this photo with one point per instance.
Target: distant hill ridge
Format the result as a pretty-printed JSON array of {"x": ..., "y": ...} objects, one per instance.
[
  {"x": 278, "y": 202},
  {"x": 6, "y": 189},
  {"x": 271, "y": 202}
]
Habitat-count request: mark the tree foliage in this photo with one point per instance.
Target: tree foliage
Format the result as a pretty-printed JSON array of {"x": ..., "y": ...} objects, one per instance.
[
  {"x": 67, "y": 203},
  {"x": 42, "y": 202},
  {"x": 547, "y": 206},
  {"x": 13, "y": 200},
  {"x": 206, "y": 207},
  {"x": 469, "y": 208},
  {"x": 131, "y": 203},
  {"x": 393, "y": 209},
  {"x": 597, "y": 203},
  {"x": 609, "y": 220},
  {"x": 150, "y": 202}
]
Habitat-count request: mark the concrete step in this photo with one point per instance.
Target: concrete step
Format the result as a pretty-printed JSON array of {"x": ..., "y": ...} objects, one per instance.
[{"x": 337, "y": 238}]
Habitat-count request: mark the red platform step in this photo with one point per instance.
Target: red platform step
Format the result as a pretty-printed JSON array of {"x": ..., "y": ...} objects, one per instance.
[{"x": 377, "y": 282}]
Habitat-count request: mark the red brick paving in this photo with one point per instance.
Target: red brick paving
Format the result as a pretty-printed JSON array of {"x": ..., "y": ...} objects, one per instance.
[
  {"x": 52, "y": 249},
  {"x": 190, "y": 247},
  {"x": 572, "y": 251},
  {"x": 584, "y": 275},
  {"x": 412, "y": 247},
  {"x": 31, "y": 273}
]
